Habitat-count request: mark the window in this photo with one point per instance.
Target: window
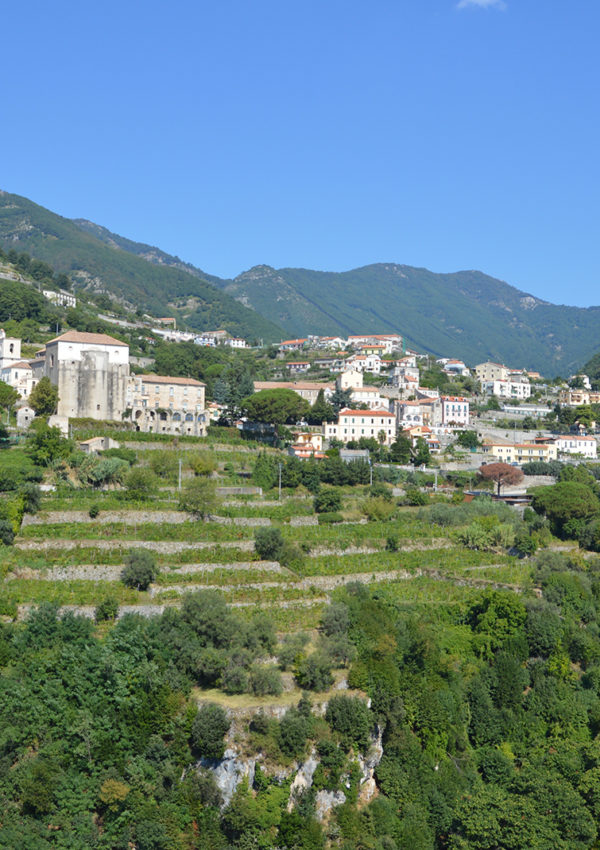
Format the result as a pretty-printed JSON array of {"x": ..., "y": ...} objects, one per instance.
[
  {"x": 156, "y": 389},
  {"x": 185, "y": 389},
  {"x": 171, "y": 390}
]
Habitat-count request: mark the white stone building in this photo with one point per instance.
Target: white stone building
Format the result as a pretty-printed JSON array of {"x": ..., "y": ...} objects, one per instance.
[
  {"x": 518, "y": 389},
  {"x": 60, "y": 297},
  {"x": 10, "y": 349},
  {"x": 167, "y": 405},
  {"x": 354, "y": 424},
  {"x": 18, "y": 375},
  {"x": 454, "y": 410},
  {"x": 91, "y": 372},
  {"x": 574, "y": 445}
]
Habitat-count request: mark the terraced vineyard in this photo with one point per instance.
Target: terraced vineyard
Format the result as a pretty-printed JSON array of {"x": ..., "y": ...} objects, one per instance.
[{"x": 64, "y": 555}]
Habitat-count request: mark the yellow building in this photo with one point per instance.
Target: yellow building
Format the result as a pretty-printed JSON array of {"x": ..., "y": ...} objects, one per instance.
[{"x": 521, "y": 452}]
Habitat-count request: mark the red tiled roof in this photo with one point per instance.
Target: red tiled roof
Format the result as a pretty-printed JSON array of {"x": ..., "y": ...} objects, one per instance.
[{"x": 20, "y": 365}]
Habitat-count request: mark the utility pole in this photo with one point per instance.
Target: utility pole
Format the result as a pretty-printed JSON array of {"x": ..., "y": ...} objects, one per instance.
[
  {"x": 279, "y": 465},
  {"x": 179, "y": 483}
]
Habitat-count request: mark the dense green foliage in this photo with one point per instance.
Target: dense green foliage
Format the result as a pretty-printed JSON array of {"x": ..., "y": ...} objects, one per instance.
[{"x": 278, "y": 407}]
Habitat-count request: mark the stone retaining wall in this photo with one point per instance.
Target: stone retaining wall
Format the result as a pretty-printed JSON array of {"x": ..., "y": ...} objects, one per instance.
[
  {"x": 165, "y": 547},
  {"x": 105, "y": 517}
]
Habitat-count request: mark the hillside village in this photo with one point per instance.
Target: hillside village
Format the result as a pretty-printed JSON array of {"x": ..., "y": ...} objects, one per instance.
[
  {"x": 92, "y": 375},
  {"x": 289, "y": 558}
]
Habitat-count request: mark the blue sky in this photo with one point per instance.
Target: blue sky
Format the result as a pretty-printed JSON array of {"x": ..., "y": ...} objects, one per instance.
[{"x": 329, "y": 135}]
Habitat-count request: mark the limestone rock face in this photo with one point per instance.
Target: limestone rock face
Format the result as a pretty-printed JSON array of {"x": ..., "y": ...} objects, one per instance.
[
  {"x": 229, "y": 772},
  {"x": 303, "y": 778},
  {"x": 325, "y": 801}
]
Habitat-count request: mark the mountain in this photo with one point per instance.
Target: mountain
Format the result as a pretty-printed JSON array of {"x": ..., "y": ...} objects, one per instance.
[
  {"x": 465, "y": 314},
  {"x": 592, "y": 368},
  {"x": 119, "y": 267}
]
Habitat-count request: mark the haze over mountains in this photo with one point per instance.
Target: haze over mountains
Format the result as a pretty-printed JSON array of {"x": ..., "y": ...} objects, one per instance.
[{"x": 463, "y": 314}]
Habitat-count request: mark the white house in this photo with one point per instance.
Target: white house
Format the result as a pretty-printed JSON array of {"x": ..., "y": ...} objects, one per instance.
[
  {"x": 454, "y": 411},
  {"x": 573, "y": 445},
  {"x": 60, "y": 297},
  {"x": 366, "y": 363},
  {"x": 25, "y": 416},
  {"x": 369, "y": 396},
  {"x": 292, "y": 344},
  {"x": 409, "y": 414},
  {"x": 18, "y": 375},
  {"x": 298, "y": 366},
  {"x": 349, "y": 378},
  {"x": 517, "y": 389},
  {"x": 354, "y": 424},
  {"x": 236, "y": 342}
]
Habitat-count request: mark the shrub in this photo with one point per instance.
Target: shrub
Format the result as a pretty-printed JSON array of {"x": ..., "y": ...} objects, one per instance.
[
  {"x": 202, "y": 464},
  {"x": 123, "y": 454},
  {"x": 391, "y": 544},
  {"x": 291, "y": 650},
  {"x": 525, "y": 544},
  {"x": 351, "y": 719},
  {"x": 314, "y": 672},
  {"x": 379, "y": 490},
  {"x": 291, "y": 556},
  {"x": 140, "y": 569},
  {"x": 141, "y": 484},
  {"x": 415, "y": 497},
  {"x": 235, "y": 680},
  {"x": 293, "y": 732},
  {"x": 199, "y": 497},
  {"x": 266, "y": 680},
  {"x": 339, "y": 649},
  {"x": 32, "y": 497},
  {"x": 327, "y": 501},
  {"x": 268, "y": 543},
  {"x": 208, "y": 730},
  {"x": 335, "y": 619},
  {"x": 329, "y": 518},
  {"x": 378, "y": 509},
  {"x": 164, "y": 464},
  {"x": 7, "y": 535},
  {"x": 94, "y": 511},
  {"x": 107, "y": 609}
]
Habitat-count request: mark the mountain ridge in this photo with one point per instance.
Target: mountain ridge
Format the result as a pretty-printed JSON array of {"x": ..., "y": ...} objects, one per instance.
[
  {"x": 465, "y": 314},
  {"x": 116, "y": 269}
]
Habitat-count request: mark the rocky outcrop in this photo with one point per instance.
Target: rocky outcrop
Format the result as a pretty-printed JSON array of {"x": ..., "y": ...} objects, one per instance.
[{"x": 229, "y": 772}]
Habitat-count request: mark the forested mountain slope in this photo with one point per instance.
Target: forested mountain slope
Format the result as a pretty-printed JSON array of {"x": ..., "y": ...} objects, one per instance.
[
  {"x": 464, "y": 314},
  {"x": 94, "y": 263},
  {"x": 467, "y": 314}
]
